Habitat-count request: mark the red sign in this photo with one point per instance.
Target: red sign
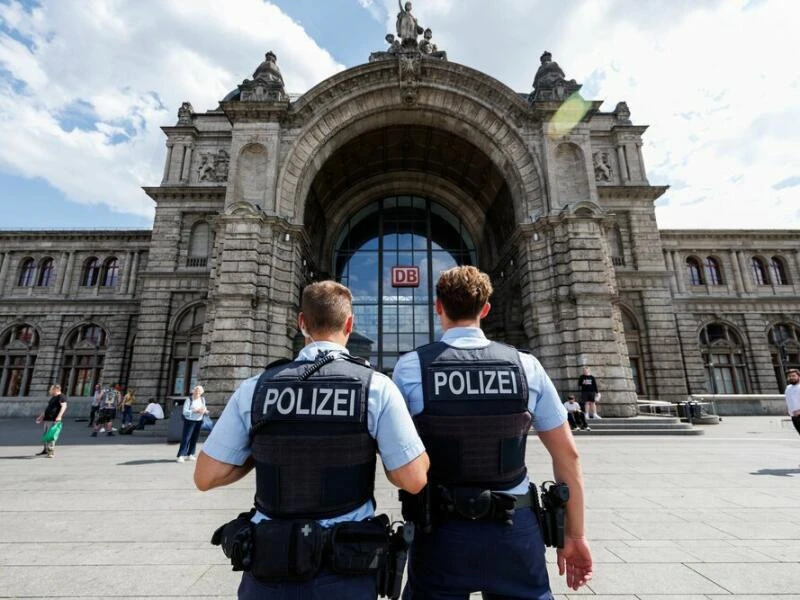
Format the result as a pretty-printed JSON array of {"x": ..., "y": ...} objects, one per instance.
[{"x": 405, "y": 277}]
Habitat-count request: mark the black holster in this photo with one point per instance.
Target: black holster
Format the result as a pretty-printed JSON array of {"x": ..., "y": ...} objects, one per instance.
[
  {"x": 551, "y": 512},
  {"x": 236, "y": 539},
  {"x": 390, "y": 579}
]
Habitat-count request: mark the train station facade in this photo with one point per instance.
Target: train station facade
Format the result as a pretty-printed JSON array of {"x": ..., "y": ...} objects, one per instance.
[{"x": 380, "y": 177}]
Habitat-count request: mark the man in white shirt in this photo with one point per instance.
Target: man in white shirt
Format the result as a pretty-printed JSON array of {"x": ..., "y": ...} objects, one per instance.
[
  {"x": 151, "y": 413},
  {"x": 792, "y": 394},
  {"x": 575, "y": 415}
]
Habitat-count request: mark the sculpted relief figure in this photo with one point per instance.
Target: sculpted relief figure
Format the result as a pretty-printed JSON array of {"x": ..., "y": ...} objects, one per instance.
[
  {"x": 407, "y": 27},
  {"x": 602, "y": 166},
  {"x": 185, "y": 114}
]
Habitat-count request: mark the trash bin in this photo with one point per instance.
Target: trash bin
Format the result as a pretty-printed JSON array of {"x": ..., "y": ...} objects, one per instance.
[{"x": 175, "y": 425}]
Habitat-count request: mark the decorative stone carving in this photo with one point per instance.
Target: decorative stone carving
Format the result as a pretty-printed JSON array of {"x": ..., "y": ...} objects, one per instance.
[
  {"x": 550, "y": 83},
  {"x": 429, "y": 49},
  {"x": 602, "y": 166},
  {"x": 406, "y": 42},
  {"x": 267, "y": 83},
  {"x": 213, "y": 166},
  {"x": 622, "y": 113},
  {"x": 410, "y": 69},
  {"x": 185, "y": 114}
]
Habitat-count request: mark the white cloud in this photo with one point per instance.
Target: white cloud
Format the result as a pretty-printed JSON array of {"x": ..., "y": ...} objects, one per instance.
[
  {"x": 133, "y": 63},
  {"x": 716, "y": 80}
]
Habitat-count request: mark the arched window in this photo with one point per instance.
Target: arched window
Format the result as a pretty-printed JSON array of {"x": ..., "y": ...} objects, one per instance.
[
  {"x": 110, "y": 273},
  {"x": 27, "y": 273},
  {"x": 199, "y": 245},
  {"x": 784, "y": 346},
  {"x": 723, "y": 356},
  {"x": 84, "y": 356},
  {"x": 760, "y": 274},
  {"x": 695, "y": 271},
  {"x": 47, "y": 273},
  {"x": 713, "y": 272},
  {"x": 634, "y": 343},
  {"x": 18, "y": 348},
  {"x": 186, "y": 350},
  {"x": 778, "y": 268},
  {"x": 91, "y": 272}
]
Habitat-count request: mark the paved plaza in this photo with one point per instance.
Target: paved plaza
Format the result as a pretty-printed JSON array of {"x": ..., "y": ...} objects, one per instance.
[{"x": 690, "y": 518}]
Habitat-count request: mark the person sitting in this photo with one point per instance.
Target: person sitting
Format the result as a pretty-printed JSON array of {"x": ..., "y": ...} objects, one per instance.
[
  {"x": 575, "y": 415},
  {"x": 151, "y": 413}
]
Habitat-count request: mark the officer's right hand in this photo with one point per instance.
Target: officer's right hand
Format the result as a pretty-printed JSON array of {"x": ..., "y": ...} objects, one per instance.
[{"x": 575, "y": 558}]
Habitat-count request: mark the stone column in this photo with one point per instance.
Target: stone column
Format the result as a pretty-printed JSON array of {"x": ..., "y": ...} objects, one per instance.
[
  {"x": 677, "y": 261},
  {"x": 642, "y": 173},
  {"x": 126, "y": 274},
  {"x": 745, "y": 272},
  {"x": 134, "y": 271},
  {"x": 737, "y": 274},
  {"x": 623, "y": 166},
  {"x": 168, "y": 163},
  {"x": 795, "y": 277},
  {"x": 187, "y": 163},
  {"x": 5, "y": 259},
  {"x": 68, "y": 274},
  {"x": 759, "y": 363}
]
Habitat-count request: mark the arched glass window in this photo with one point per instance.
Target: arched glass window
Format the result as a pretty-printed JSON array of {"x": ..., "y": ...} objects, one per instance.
[
  {"x": 694, "y": 271},
  {"x": 47, "y": 273},
  {"x": 19, "y": 346},
  {"x": 713, "y": 272},
  {"x": 784, "y": 346},
  {"x": 84, "y": 356},
  {"x": 186, "y": 350},
  {"x": 634, "y": 342},
  {"x": 760, "y": 274},
  {"x": 199, "y": 245},
  {"x": 723, "y": 357},
  {"x": 778, "y": 268},
  {"x": 410, "y": 232},
  {"x": 91, "y": 272},
  {"x": 110, "y": 273},
  {"x": 27, "y": 273}
]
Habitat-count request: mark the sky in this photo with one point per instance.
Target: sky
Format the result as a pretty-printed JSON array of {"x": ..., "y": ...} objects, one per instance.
[{"x": 85, "y": 86}]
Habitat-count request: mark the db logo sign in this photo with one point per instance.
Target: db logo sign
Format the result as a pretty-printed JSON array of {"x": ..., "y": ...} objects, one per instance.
[{"x": 405, "y": 277}]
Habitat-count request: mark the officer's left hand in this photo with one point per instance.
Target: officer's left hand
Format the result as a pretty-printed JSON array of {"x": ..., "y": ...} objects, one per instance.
[{"x": 575, "y": 558}]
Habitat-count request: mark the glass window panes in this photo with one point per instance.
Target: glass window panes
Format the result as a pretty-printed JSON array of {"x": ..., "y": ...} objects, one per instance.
[{"x": 394, "y": 232}]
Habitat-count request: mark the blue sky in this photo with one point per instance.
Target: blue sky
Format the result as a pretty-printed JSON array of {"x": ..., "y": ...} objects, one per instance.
[{"x": 86, "y": 84}]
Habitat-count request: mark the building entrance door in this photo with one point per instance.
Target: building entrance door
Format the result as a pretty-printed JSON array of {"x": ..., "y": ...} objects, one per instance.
[{"x": 400, "y": 231}]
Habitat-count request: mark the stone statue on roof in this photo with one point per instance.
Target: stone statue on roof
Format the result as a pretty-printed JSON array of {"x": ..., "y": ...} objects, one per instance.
[
  {"x": 550, "y": 83},
  {"x": 268, "y": 70},
  {"x": 407, "y": 27}
]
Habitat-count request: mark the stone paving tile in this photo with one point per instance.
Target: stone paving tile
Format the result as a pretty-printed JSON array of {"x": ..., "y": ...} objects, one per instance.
[
  {"x": 662, "y": 578},
  {"x": 766, "y": 578}
]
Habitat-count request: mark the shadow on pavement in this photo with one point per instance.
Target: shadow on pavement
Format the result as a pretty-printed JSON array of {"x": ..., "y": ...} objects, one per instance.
[
  {"x": 777, "y": 472},
  {"x": 147, "y": 462}
]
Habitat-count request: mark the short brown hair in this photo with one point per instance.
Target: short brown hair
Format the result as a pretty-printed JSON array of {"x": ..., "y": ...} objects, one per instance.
[
  {"x": 326, "y": 306},
  {"x": 790, "y": 371},
  {"x": 463, "y": 292}
]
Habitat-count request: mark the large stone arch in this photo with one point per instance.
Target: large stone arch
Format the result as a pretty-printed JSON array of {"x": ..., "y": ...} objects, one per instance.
[{"x": 466, "y": 103}]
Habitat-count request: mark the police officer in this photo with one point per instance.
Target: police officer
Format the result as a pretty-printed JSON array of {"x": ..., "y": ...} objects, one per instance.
[
  {"x": 311, "y": 428},
  {"x": 473, "y": 400}
]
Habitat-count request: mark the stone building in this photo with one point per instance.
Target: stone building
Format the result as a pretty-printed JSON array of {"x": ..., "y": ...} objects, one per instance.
[{"x": 413, "y": 161}]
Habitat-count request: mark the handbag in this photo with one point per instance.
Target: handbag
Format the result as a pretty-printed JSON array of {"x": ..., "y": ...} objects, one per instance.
[
  {"x": 208, "y": 423},
  {"x": 51, "y": 435}
]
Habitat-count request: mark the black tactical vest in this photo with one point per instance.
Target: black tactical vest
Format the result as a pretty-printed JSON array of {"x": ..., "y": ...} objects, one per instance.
[
  {"x": 475, "y": 418},
  {"x": 314, "y": 456}
]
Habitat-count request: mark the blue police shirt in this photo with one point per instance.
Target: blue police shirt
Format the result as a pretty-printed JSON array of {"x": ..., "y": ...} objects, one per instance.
[
  {"x": 388, "y": 422},
  {"x": 543, "y": 402}
]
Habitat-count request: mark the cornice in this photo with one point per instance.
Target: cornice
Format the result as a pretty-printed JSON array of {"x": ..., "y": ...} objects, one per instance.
[
  {"x": 82, "y": 235},
  {"x": 185, "y": 192},
  {"x": 684, "y": 235},
  {"x": 642, "y": 192}
]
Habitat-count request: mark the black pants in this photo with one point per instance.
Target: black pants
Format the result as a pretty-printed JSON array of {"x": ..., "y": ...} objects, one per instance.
[
  {"x": 576, "y": 419},
  {"x": 796, "y": 423}
]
